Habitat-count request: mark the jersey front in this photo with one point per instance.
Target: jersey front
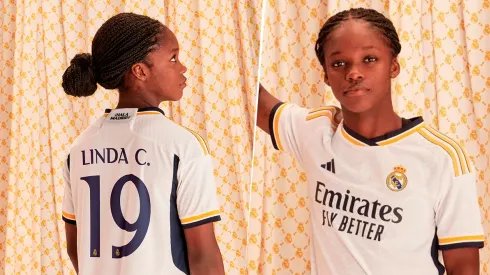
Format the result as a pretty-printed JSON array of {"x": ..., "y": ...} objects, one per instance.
[
  {"x": 380, "y": 206},
  {"x": 134, "y": 180}
]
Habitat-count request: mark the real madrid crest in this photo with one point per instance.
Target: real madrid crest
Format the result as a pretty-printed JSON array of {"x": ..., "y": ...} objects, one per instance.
[{"x": 397, "y": 180}]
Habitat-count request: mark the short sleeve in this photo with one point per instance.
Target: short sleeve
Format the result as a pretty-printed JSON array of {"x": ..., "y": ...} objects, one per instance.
[
  {"x": 68, "y": 209},
  {"x": 291, "y": 125},
  {"x": 458, "y": 218},
  {"x": 197, "y": 202}
]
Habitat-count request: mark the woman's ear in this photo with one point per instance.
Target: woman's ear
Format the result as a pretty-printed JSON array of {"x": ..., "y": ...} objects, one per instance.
[
  {"x": 140, "y": 71},
  {"x": 395, "y": 68}
]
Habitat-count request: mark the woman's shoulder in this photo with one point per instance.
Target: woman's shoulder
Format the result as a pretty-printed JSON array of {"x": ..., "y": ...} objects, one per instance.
[{"x": 448, "y": 152}]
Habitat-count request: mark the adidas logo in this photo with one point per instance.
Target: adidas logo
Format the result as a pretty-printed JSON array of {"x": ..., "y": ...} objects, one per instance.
[{"x": 329, "y": 166}]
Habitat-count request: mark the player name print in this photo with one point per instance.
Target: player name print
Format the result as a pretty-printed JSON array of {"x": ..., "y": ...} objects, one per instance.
[
  {"x": 352, "y": 215},
  {"x": 112, "y": 155}
]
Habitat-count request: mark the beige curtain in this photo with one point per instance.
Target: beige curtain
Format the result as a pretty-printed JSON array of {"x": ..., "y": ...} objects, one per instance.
[
  {"x": 445, "y": 77},
  {"x": 219, "y": 43}
]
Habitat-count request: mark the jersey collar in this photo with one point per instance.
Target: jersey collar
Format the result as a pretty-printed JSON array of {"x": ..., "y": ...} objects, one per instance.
[
  {"x": 143, "y": 111},
  {"x": 409, "y": 126}
]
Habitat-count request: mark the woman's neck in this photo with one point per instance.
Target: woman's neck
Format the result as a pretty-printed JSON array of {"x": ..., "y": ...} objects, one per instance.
[
  {"x": 373, "y": 123},
  {"x": 134, "y": 100}
]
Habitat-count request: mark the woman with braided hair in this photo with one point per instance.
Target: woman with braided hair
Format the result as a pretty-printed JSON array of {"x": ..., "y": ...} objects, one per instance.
[
  {"x": 386, "y": 193},
  {"x": 140, "y": 196}
]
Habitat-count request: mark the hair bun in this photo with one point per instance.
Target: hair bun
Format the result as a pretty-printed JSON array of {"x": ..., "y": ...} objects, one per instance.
[
  {"x": 82, "y": 59},
  {"x": 79, "y": 78}
]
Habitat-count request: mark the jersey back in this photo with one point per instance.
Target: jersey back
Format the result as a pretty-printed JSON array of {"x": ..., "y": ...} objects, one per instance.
[{"x": 134, "y": 180}]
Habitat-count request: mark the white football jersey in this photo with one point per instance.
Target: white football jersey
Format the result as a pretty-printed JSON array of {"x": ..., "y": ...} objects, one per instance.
[
  {"x": 134, "y": 180},
  {"x": 379, "y": 206}
]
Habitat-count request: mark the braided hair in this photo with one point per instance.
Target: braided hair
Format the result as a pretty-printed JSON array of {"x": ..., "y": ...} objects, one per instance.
[
  {"x": 122, "y": 41},
  {"x": 373, "y": 17}
]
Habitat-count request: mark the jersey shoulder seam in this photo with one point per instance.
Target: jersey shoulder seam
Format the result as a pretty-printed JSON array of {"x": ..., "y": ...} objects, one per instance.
[
  {"x": 202, "y": 142},
  {"x": 331, "y": 112},
  {"x": 459, "y": 159}
]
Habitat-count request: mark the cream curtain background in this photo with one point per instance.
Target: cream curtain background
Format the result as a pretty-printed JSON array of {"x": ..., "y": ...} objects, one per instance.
[
  {"x": 219, "y": 43},
  {"x": 445, "y": 77}
]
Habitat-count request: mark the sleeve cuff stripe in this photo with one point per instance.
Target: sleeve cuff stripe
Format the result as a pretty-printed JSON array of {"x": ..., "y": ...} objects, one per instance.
[
  {"x": 68, "y": 220},
  {"x": 462, "y": 245},
  {"x": 68, "y": 216},
  {"x": 275, "y": 125},
  {"x": 201, "y": 222},
  {"x": 200, "y": 217},
  {"x": 463, "y": 239}
]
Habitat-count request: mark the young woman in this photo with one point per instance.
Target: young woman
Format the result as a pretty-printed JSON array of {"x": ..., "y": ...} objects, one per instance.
[
  {"x": 386, "y": 193},
  {"x": 140, "y": 196}
]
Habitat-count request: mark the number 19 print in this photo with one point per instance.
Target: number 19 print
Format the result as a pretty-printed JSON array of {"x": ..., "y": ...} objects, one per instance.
[{"x": 140, "y": 225}]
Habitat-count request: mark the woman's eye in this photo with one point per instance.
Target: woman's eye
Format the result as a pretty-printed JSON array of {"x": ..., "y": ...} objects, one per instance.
[
  {"x": 370, "y": 59},
  {"x": 338, "y": 64},
  {"x": 174, "y": 58}
]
